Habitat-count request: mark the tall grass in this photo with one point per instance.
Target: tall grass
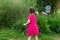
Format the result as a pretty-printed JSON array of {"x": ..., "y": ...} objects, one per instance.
[{"x": 12, "y": 11}]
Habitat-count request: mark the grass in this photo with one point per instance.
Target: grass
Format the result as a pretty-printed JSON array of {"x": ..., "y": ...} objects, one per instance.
[{"x": 8, "y": 34}]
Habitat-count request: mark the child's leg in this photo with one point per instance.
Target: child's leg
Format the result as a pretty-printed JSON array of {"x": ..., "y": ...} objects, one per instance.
[
  {"x": 36, "y": 37},
  {"x": 29, "y": 38}
]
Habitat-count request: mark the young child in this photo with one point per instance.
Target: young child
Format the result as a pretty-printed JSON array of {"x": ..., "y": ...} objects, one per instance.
[
  {"x": 32, "y": 28},
  {"x": 47, "y": 9}
]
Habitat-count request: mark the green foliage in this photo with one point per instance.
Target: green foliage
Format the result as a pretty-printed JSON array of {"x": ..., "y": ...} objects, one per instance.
[
  {"x": 11, "y": 11},
  {"x": 40, "y": 4},
  {"x": 8, "y": 13},
  {"x": 46, "y": 37},
  {"x": 18, "y": 26},
  {"x": 55, "y": 23},
  {"x": 13, "y": 14},
  {"x": 9, "y": 34},
  {"x": 49, "y": 23},
  {"x": 42, "y": 22}
]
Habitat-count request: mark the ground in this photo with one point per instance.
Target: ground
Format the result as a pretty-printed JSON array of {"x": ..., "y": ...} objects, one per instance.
[{"x": 56, "y": 37}]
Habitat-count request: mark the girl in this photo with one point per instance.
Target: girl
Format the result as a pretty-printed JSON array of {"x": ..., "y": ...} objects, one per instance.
[{"x": 32, "y": 28}]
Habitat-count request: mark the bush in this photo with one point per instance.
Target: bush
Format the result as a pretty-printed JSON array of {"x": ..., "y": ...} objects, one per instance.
[
  {"x": 55, "y": 23},
  {"x": 42, "y": 22},
  {"x": 49, "y": 23},
  {"x": 13, "y": 10},
  {"x": 18, "y": 26}
]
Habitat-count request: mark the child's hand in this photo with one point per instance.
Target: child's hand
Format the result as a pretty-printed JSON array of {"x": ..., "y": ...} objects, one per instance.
[{"x": 24, "y": 24}]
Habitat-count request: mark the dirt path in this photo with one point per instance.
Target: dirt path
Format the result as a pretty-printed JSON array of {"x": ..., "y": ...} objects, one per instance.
[{"x": 57, "y": 37}]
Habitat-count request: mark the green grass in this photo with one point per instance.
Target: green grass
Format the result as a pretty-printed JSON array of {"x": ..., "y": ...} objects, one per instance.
[
  {"x": 9, "y": 34},
  {"x": 58, "y": 10}
]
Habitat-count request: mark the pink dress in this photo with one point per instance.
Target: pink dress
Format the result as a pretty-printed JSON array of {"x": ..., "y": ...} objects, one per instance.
[{"x": 32, "y": 28}]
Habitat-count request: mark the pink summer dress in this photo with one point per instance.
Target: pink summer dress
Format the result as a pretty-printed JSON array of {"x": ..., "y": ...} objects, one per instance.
[{"x": 32, "y": 28}]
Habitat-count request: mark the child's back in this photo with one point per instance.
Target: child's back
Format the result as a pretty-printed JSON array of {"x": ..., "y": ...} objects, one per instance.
[{"x": 32, "y": 26}]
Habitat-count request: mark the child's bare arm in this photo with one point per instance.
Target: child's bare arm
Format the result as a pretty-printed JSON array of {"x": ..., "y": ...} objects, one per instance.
[{"x": 27, "y": 22}]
